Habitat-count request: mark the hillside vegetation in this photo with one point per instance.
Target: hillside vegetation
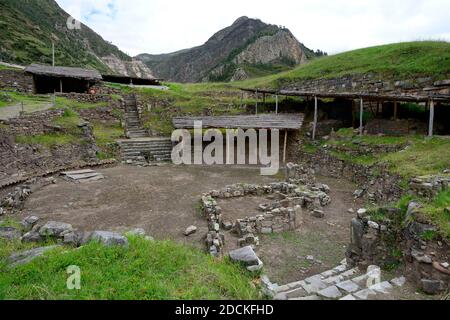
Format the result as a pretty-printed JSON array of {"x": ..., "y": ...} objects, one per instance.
[{"x": 28, "y": 27}]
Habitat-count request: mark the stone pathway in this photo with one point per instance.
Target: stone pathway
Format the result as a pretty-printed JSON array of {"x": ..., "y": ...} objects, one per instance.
[
  {"x": 134, "y": 127},
  {"x": 339, "y": 283},
  {"x": 14, "y": 111}
]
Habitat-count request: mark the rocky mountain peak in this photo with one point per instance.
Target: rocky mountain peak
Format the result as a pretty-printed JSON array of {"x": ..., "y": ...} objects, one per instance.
[{"x": 246, "y": 48}]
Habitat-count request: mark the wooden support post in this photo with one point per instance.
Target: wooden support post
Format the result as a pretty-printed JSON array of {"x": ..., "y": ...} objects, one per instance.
[
  {"x": 395, "y": 110},
  {"x": 353, "y": 113},
  {"x": 60, "y": 86},
  {"x": 315, "y": 119},
  {"x": 285, "y": 146},
  {"x": 256, "y": 102},
  {"x": 361, "y": 111},
  {"x": 276, "y": 104},
  {"x": 431, "y": 124}
]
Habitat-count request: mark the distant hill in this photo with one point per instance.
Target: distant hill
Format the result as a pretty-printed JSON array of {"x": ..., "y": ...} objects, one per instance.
[
  {"x": 27, "y": 28},
  {"x": 248, "y": 48}
]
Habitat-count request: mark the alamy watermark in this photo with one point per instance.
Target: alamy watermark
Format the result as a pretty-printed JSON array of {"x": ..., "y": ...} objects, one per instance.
[
  {"x": 74, "y": 280},
  {"x": 73, "y": 24},
  {"x": 190, "y": 148}
]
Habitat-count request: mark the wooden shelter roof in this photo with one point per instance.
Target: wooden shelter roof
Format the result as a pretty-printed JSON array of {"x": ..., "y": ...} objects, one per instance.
[
  {"x": 63, "y": 72},
  {"x": 354, "y": 95},
  {"x": 285, "y": 121}
]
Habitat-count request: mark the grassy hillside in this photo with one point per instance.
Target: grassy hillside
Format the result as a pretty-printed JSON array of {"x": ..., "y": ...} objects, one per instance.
[
  {"x": 146, "y": 270},
  {"x": 399, "y": 61}
]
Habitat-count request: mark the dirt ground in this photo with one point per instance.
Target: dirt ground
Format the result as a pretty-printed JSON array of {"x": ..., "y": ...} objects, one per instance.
[
  {"x": 165, "y": 201},
  {"x": 162, "y": 200}
]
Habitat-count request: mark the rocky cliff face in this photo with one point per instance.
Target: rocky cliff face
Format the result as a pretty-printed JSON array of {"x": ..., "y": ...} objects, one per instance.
[
  {"x": 249, "y": 47},
  {"x": 133, "y": 68}
]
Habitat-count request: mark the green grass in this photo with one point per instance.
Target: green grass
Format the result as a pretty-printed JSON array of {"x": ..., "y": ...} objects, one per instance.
[
  {"x": 424, "y": 156},
  {"x": 399, "y": 60},
  {"x": 105, "y": 135},
  {"x": 437, "y": 211},
  {"x": 11, "y": 98},
  {"x": 146, "y": 270},
  {"x": 421, "y": 156},
  {"x": 48, "y": 140}
]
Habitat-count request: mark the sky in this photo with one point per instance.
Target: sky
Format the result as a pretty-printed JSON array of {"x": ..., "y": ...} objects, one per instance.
[{"x": 163, "y": 26}]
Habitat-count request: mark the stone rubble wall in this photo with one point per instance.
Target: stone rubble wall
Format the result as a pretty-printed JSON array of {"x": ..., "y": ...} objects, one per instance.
[
  {"x": 18, "y": 160},
  {"x": 399, "y": 239},
  {"x": 370, "y": 83},
  {"x": 16, "y": 80},
  {"x": 376, "y": 182},
  {"x": 284, "y": 213},
  {"x": 85, "y": 97}
]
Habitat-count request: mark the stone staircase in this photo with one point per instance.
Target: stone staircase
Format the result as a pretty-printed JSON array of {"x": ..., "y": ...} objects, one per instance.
[
  {"x": 145, "y": 150},
  {"x": 133, "y": 126},
  {"x": 339, "y": 283}
]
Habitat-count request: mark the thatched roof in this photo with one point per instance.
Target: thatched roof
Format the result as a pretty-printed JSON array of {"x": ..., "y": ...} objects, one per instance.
[
  {"x": 63, "y": 72},
  {"x": 283, "y": 121}
]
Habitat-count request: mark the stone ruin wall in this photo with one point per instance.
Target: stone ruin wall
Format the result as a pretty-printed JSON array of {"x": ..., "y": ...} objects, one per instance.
[
  {"x": 370, "y": 83},
  {"x": 16, "y": 80},
  {"x": 375, "y": 182},
  {"x": 20, "y": 160}
]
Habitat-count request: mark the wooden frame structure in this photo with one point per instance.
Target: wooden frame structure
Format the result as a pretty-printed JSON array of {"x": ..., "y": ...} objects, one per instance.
[
  {"x": 283, "y": 122},
  {"x": 429, "y": 99}
]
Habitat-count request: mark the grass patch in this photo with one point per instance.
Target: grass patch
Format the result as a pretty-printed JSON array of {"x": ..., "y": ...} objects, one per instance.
[
  {"x": 438, "y": 212},
  {"x": 424, "y": 156},
  {"x": 105, "y": 135},
  {"x": 144, "y": 271},
  {"x": 48, "y": 140}
]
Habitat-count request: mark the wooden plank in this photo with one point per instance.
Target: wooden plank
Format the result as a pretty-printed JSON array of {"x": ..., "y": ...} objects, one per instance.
[
  {"x": 77, "y": 172},
  {"x": 269, "y": 121},
  {"x": 285, "y": 145},
  {"x": 431, "y": 123}
]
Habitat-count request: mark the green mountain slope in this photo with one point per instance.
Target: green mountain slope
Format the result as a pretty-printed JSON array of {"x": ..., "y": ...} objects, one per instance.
[{"x": 27, "y": 28}]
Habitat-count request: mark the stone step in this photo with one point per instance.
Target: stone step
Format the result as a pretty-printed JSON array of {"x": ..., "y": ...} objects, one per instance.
[
  {"x": 134, "y": 151},
  {"x": 152, "y": 153}
]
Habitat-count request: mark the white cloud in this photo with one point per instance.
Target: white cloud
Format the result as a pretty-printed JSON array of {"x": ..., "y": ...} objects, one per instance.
[{"x": 158, "y": 26}]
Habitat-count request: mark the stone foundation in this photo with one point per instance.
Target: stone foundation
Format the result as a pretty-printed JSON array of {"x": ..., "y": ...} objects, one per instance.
[
  {"x": 400, "y": 239},
  {"x": 375, "y": 182},
  {"x": 283, "y": 213}
]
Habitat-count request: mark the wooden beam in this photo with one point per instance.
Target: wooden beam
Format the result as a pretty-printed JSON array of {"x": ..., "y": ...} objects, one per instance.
[
  {"x": 361, "y": 110},
  {"x": 315, "y": 119},
  {"x": 285, "y": 146},
  {"x": 60, "y": 86},
  {"x": 431, "y": 124}
]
